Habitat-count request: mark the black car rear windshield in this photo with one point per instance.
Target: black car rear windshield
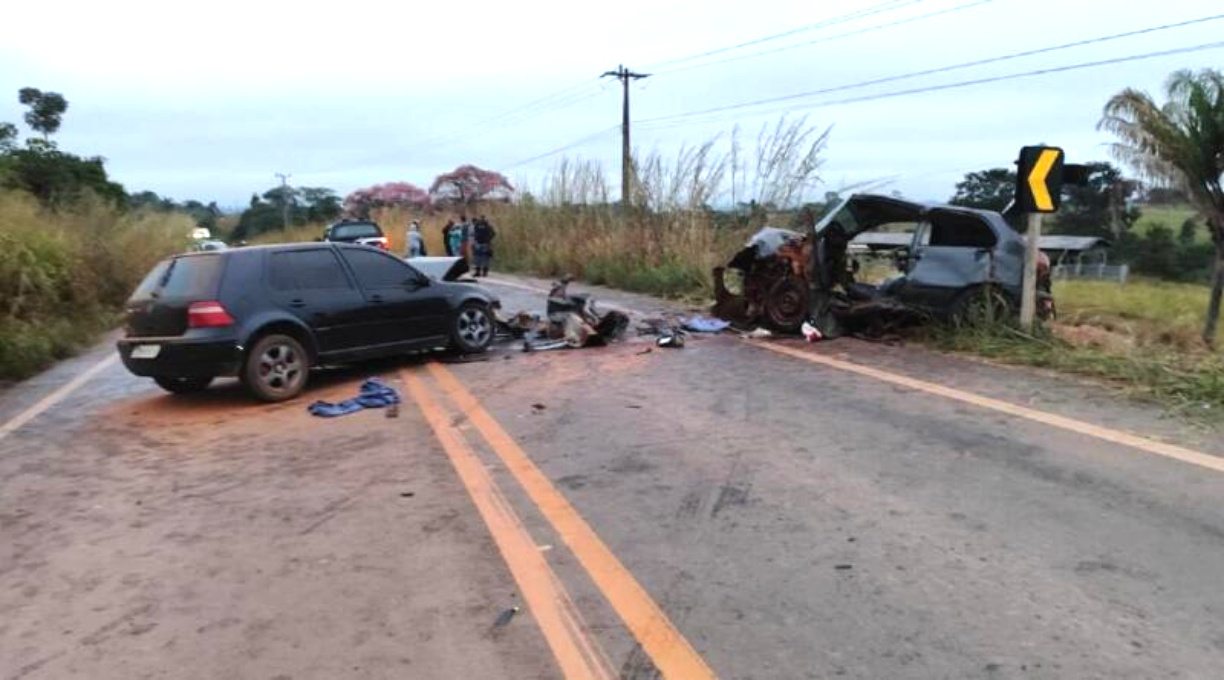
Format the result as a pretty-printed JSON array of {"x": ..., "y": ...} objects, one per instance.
[
  {"x": 182, "y": 277},
  {"x": 352, "y": 231}
]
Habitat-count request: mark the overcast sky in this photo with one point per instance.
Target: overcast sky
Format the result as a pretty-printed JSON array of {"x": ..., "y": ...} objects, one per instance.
[{"x": 208, "y": 100}]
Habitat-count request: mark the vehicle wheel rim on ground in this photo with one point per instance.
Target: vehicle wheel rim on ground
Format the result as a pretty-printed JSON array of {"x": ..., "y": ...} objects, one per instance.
[
  {"x": 474, "y": 327},
  {"x": 787, "y": 304},
  {"x": 280, "y": 368}
]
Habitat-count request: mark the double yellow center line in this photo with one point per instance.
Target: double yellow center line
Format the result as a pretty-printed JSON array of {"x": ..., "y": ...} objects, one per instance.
[{"x": 577, "y": 654}]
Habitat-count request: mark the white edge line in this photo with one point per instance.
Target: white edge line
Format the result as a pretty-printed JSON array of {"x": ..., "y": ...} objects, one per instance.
[{"x": 55, "y": 397}]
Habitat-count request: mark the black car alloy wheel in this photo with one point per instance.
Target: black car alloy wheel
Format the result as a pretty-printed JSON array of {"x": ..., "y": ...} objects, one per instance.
[
  {"x": 276, "y": 368},
  {"x": 473, "y": 328}
]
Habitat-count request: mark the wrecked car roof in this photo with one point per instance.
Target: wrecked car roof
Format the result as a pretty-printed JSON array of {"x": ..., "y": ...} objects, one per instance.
[{"x": 864, "y": 212}]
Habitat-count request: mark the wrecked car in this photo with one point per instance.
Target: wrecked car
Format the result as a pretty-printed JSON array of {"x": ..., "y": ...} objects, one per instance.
[{"x": 958, "y": 262}]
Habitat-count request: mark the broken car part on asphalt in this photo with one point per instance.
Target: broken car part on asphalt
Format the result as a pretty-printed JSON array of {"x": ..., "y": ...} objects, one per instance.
[
  {"x": 960, "y": 262},
  {"x": 572, "y": 321}
]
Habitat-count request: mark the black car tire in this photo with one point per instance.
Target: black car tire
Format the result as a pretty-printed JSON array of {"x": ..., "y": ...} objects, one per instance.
[
  {"x": 276, "y": 368},
  {"x": 472, "y": 328},
  {"x": 786, "y": 305},
  {"x": 975, "y": 307},
  {"x": 183, "y": 385}
]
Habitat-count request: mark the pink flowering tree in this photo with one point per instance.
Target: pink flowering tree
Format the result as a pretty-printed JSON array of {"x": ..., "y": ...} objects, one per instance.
[
  {"x": 469, "y": 184},
  {"x": 389, "y": 195}
]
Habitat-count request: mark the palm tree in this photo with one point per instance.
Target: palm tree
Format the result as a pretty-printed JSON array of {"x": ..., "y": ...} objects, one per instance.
[{"x": 1181, "y": 144}]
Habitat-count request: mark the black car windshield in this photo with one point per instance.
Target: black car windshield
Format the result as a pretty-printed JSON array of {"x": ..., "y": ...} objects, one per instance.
[{"x": 357, "y": 230}]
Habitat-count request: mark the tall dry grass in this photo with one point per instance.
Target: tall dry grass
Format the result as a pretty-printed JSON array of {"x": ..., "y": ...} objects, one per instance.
[
  {"x": 64, "y": 273},
  {"x": 670, "y": 237}
]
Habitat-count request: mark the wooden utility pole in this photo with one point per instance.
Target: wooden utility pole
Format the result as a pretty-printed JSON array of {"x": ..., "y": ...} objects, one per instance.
[
  {"x": 627, "y": 175},
  {"x": 284, "y": 178}
]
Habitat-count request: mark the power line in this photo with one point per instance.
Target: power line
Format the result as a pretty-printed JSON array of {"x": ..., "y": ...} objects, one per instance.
[
  {"x": 569, "y": 96},
  {"x": 976, "y": 81},
  {"x": 549, "y": 103},
  {"x": 838, "y": 36},
  {"x": 560, "y": 149},
  {"x": 824, "y": 23},
  {"x": 941, "y": 69}
]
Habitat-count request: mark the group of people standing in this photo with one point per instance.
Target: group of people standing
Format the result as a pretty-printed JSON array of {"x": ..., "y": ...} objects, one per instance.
[{"x": 471, "y": 240}]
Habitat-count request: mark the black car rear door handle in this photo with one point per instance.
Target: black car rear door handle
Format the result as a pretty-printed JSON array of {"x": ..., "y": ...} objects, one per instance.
[
  {"x": 297, "y": 304},
  {"x": 376, "y": 299}
]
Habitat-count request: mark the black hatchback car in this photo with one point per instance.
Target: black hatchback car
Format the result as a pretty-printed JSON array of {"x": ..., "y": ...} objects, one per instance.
[{"x": 268, "y": 314}]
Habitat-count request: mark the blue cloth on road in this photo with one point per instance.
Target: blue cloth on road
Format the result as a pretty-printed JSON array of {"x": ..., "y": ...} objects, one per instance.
[
  {"x": 705, "y": 324},
  {"x": 372, "y": 394}
]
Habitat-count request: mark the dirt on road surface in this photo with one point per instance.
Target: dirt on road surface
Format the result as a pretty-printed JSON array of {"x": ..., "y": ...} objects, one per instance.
[{"x": 732, "y": 509}]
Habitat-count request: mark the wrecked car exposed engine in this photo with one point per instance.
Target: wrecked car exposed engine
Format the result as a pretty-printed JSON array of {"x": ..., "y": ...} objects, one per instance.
[{"x": 958, "y": 262}]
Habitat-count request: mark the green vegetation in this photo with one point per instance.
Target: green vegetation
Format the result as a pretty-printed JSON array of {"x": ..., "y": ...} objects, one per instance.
[
  {"x": 1143, "y": 336},
  {"x": 1179, "y": 143},
  {"x": 1172, "y": 216},
  {"x": 71, "y": 247},
  {"x": 65, "y": 272}
]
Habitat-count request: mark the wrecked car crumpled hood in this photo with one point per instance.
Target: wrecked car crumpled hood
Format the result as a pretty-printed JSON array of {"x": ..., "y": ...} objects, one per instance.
[
  {"x": 763, "y": 245},
  {"x": 440, "y": 268}
]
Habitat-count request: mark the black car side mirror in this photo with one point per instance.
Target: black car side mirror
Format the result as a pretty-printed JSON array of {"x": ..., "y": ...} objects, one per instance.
[{"x": 417, "y": 282}]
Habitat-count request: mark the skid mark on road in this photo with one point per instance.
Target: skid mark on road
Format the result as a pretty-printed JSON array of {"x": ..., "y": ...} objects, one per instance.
[
  {"x": 1062, "y": 422},
  {"x": 671, "y": 653},
  {"x": 55, "y": 397},
  {"x": 578, "y": 655}
]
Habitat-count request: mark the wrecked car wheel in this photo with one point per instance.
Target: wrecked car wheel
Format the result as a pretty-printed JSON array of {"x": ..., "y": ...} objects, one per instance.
[
  {"x": 982, "y": 306},
  {"x": 786, "y": 305}
]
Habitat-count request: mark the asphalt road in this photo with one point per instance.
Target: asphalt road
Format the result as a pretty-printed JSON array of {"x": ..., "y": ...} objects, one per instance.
[{"x": 732, "y": 509}]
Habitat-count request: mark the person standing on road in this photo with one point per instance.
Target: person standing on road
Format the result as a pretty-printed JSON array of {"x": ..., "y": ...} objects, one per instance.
[
  {"x": 446, "y": 237},
  {"x": 416, "y": 242},
  {"x": 483, "y": 234},
  {"x": 458, "y": 238}
]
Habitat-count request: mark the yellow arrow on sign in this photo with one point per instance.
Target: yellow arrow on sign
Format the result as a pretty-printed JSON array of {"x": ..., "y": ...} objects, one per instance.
[{"x": 1037, "y": 179}]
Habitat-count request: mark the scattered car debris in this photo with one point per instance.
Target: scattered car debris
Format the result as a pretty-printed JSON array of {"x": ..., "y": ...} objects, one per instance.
[
  {"x": 373, "y": 393},
  {"x": 960, "y": 263},
  {"x": 407, "y": 494},
  {"x": 672, "y": 339},
  {"x": 538, "y": 407},
  {"x": 543, "y": 345},
  {"x": 504, "y": 618},
  {"x": 393, "y": 411},
  {"x": 704, "y": 324},
  {"x": 758, "y": 334},
  {"x": 572, "y": 321},
  {"x": 843, "y": 567},
  {"x": 810, "y": 332},
  {"x": 648, "y": 350}
]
